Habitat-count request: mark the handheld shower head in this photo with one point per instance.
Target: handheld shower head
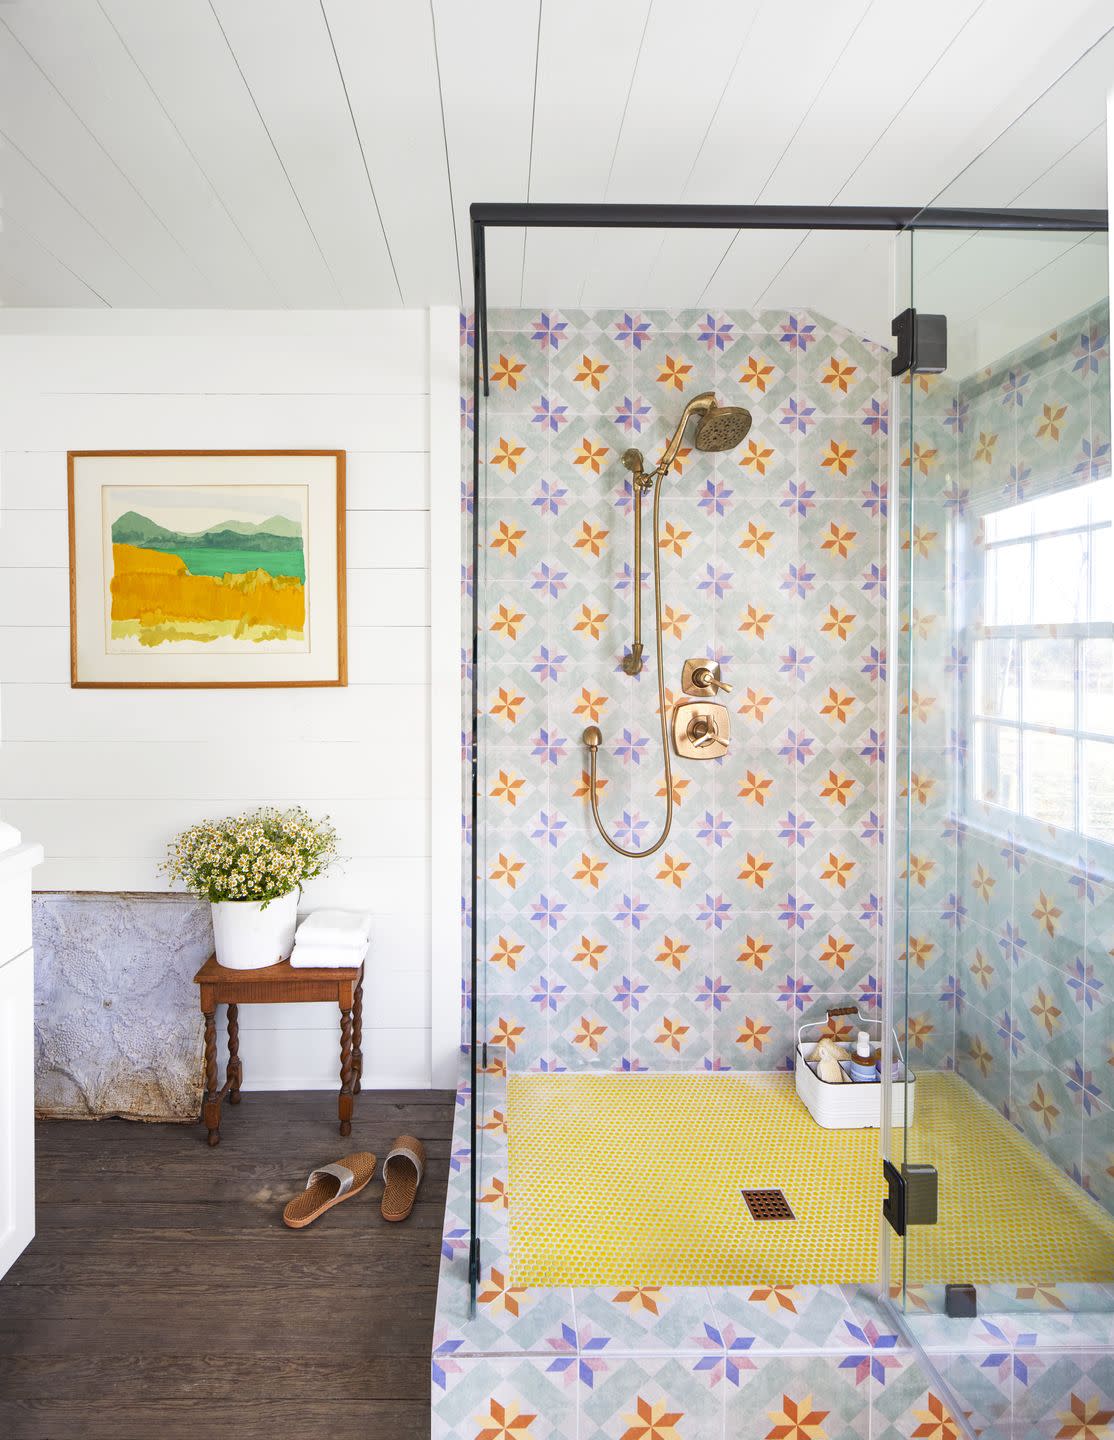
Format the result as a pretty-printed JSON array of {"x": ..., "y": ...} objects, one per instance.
[{"x": 696, "y": 406}]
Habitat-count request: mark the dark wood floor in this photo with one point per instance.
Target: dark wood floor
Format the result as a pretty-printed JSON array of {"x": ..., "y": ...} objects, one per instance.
[{"x": 162, "y": 1296}]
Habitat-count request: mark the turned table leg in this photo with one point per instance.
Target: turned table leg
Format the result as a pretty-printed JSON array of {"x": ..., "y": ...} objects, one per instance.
[
  {"x": 235, "y": 1073},
  {"x": 210, "y": 1110},
  {"x": 347, "y": 1073},
  {"x": 358, "y": 1035}
]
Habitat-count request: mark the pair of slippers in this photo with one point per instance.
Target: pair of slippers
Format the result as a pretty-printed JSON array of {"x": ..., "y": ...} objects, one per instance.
[{"x": 329, "y": 1185}]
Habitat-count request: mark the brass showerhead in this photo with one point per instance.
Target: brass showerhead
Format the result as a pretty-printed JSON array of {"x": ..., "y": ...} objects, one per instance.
[
  {"x": 634, "y": 461},
  {"x": 722, "y": 427}
]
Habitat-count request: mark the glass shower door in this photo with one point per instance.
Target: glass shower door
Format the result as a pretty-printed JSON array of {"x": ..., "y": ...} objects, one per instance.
[{"x": 1004, "y": 752}]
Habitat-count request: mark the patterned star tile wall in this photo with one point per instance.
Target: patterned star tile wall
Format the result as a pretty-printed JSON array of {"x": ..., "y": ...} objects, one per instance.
[
  {"x": 763, "y": 906},
  {"x": 1032, "y": 918}
]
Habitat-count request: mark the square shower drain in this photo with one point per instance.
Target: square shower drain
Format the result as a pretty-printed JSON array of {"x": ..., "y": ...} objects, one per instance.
[{"x": 768, "y": 1204}]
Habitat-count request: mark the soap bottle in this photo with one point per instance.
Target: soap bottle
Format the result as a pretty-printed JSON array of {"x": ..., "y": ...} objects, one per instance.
[{"x": 864, "y": 1061}]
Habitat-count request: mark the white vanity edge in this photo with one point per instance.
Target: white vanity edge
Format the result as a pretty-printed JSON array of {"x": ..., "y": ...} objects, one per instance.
[
  {"x": 23, "y": 857},
  {"x": 14, "y": 863},
  {"x": 17, "y": 1048}
]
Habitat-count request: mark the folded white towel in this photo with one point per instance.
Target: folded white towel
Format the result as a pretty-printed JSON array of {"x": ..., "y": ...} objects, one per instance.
[
  {"x": 336, "y": 928},
  {"x": 327, "y": 957}
]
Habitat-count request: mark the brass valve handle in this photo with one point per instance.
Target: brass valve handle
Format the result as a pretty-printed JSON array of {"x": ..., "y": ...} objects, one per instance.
[
  {"x": 707, "y": 681},
  {"x": 702, "y": 731}
]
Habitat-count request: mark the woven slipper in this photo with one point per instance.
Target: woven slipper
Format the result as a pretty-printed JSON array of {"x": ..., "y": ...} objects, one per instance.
[
  {"x": 327, "y": 1186},
  {"x": 402, "y": 1173}
]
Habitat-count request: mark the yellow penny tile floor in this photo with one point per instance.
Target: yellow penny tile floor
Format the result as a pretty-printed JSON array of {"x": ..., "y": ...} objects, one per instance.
[{"x": 616, "y": 1179}]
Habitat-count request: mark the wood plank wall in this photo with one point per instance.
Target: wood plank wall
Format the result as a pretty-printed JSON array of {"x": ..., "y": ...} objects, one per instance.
[{"x": 103, "y": 779}]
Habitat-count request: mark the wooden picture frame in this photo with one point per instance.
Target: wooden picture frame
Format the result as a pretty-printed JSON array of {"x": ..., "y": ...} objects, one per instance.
[{"x": 207, "y": 597}]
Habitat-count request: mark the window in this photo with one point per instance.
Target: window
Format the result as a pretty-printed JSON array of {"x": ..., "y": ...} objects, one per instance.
[{"x": 1042, "y": 663}]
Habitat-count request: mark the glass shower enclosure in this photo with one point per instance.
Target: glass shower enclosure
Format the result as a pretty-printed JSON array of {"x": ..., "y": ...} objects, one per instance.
[{"x": 992, "y": 972}]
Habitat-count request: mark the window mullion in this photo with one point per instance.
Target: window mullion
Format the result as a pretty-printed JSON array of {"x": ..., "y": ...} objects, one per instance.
[{"x": 1089, "y": 592}]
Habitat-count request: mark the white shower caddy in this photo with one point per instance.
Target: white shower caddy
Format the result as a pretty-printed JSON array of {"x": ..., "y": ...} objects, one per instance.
[{"x": 852, "y": 1106}]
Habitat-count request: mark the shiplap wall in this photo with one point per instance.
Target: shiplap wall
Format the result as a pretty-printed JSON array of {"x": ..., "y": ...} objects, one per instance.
[{"x": 103, "y": 778}]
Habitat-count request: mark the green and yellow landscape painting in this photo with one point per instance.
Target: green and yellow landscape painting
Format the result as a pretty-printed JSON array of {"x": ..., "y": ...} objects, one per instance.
[{"x": 217, "y": 565}]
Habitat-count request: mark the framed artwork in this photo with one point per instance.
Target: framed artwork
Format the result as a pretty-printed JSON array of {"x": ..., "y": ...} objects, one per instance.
[{"x": 207, "y": 568}]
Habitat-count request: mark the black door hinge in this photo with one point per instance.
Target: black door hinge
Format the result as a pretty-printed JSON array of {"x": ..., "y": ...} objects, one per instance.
[
  {"x": 474, "y": 1261},
  {"x": 922, "y": 343},
  {"x": 911, "y": 1195},
  {"x": 961, "y": 1301}
]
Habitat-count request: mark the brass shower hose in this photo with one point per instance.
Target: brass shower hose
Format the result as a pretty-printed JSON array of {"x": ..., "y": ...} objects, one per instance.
[{"x": 592, "y": 736}]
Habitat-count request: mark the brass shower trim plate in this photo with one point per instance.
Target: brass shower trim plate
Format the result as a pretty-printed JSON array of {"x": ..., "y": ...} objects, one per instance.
[{"x": 701, "y": 730}]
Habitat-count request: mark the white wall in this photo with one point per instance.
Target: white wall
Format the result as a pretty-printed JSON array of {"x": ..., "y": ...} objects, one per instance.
[{"x": 103, "y": 778}]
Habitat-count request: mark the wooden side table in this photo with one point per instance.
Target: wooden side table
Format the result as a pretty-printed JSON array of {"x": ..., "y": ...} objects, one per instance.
[{"x": 275, "y": 985}]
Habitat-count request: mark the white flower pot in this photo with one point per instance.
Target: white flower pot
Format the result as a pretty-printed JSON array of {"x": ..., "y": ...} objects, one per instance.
[{"x": 247, "y": 936}]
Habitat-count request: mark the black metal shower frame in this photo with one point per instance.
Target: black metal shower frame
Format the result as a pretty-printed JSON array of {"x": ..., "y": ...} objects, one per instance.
[{"x": 530, "y": 215}]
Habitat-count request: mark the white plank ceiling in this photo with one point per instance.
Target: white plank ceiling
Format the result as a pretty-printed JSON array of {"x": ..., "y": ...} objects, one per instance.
[{"x": 323, "y": 153}]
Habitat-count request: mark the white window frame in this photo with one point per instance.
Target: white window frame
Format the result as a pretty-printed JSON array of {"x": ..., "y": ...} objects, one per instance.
[{"x": 1060, "y": 843}]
